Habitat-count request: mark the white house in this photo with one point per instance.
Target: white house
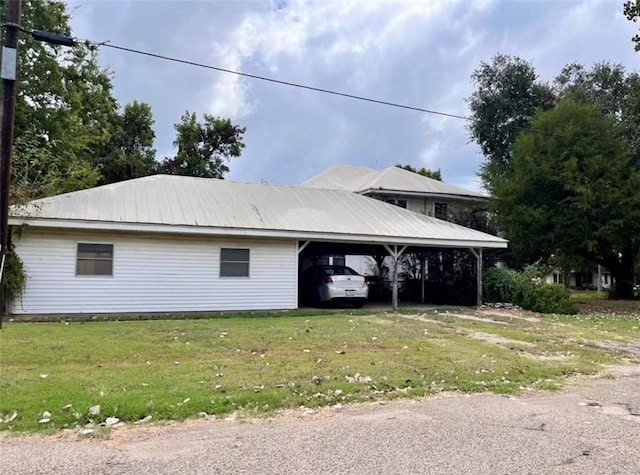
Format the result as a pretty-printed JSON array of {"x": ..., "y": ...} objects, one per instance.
[
  {"x": 582, "y": 280},
  {"x": 180, "y": 244}
]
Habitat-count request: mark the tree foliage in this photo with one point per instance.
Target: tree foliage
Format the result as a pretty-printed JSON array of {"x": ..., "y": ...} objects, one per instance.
[
  {"x": 610, "y": 89},
  {"x": 434, "y": 174},
  {"x": 631, "y": 10},
  {"x": 508, "y": 94},
  {"x": 573, "y": 191},
  {"x": 130, "y": 153},
  {"x": 204, "y": 147},
  {"x": 70, "y": 132},
  {"x": 65, "y": 109}
]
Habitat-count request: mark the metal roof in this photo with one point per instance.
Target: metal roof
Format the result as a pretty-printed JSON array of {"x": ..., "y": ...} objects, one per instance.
[
  {"x": 176, "y": 204},
  {"x": 390, "y": 180}
]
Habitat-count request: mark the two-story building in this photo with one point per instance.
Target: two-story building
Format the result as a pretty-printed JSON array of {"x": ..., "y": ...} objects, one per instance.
[{"x": 401, "y": 187}]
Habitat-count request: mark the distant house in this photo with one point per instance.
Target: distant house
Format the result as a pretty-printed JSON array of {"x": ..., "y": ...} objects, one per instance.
[
  {"x": 399, "y": 187},
  {"x": 582, "y": 279},
  {"x": 181, "y": 244}
]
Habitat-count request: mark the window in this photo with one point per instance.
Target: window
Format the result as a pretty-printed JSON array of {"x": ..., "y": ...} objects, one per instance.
[
  {"x": 557, "y": 278},
  {"x": 440, "y": 210},
  {"x": 338, "y": 260},
  {"x": 234, "y": 262},
  {"x": 94, "y": 259}
]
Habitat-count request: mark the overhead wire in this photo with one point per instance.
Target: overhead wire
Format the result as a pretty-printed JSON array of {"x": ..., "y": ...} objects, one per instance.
[{"x": 107, "y": 44}]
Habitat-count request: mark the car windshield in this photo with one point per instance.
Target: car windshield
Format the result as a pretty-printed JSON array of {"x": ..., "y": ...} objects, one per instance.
[{"x": 339, "y": 271}]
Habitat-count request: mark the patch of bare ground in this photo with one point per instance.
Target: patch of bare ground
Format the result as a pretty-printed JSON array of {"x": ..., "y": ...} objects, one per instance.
[
  {"x": 516, "y": 313},
  {"x": 498, "y": 339},
  {"x": 632, "y": 347},
  {"x": 474, "y": 318},
  {"x": 419, "y": 318}
]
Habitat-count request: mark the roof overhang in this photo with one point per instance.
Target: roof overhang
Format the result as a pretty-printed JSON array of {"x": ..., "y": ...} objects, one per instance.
[
  {"x": 422, "y": 194},
  {"x": 249, "y": 232}
]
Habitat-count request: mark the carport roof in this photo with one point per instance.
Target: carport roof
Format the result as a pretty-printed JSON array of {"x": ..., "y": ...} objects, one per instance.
[{"x": 186, "y": 205}]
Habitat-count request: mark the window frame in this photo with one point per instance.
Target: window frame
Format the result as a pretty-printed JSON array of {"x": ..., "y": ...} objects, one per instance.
[
  {"x": 247, "y": 262},
  {"x": 78, "y": 259},
  {"x": 441, "y": 205}
]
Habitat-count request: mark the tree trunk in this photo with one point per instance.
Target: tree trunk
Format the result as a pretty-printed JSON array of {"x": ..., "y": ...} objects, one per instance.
[{"x": 624, "y": 275}]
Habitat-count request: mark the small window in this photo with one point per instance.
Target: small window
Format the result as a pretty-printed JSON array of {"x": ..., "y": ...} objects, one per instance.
[
  {"x": 440, "y": 210},
  {"x": 338, "y": 260},
  {"x": 94, "y": 259},
  {"x": 234, "y": 262}
]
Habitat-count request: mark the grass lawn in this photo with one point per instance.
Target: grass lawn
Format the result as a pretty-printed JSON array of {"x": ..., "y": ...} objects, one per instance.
[{"x": 173, "y": 370}]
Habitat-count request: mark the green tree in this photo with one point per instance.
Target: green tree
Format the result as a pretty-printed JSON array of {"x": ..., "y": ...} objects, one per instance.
[
  {"x": 631, "y": 10},
  {"x": 130, "y": 152},
  {"x": 573, "y": 191},
  {"x": 203, "y": 148},
  {"x": 610, "y": 89},
  {"x": 65, "y": 110},
  {"x": 434, "y": 174},
  {"x": 508, "y": 94}
]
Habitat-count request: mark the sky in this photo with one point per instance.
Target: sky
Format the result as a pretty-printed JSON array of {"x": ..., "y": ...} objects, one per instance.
[{"x": 418, "y": 53}]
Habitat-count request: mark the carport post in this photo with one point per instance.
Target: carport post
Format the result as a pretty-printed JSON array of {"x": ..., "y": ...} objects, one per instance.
[
  {"x": 478, "y": 255},
  {"x": 423, "y": 276},
  {"x": 395, "y": 254}
]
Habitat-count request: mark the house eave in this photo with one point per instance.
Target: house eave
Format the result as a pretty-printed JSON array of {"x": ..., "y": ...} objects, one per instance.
[
  {"x": 420, "y": 194},
  {"x": 82, "y": 225}
]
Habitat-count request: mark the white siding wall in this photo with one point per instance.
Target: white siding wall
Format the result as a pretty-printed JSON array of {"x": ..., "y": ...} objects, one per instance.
[{"x": 154, "y": 274}]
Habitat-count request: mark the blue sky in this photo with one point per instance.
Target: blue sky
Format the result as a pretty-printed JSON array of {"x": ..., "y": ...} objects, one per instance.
[{"x": 419, "y": 53}]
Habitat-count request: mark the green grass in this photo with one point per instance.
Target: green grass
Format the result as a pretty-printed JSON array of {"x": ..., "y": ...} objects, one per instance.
[{"x": 173, "y": 370}]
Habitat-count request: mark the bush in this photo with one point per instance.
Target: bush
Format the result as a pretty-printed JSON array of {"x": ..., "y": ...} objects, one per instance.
[
  {"x": 14, "y": 279},
  {"x": 527, "y": 291}
]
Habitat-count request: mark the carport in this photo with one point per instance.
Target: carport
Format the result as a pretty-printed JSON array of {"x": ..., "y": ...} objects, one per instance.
[{"x": 394, "y": 249}]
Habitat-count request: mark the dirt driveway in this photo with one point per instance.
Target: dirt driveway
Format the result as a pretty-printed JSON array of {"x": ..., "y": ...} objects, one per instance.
[{"x": 592, "y": 428}]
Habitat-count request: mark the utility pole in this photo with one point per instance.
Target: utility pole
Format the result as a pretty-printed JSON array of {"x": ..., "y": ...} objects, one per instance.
[{"x": 9, "y": 76}]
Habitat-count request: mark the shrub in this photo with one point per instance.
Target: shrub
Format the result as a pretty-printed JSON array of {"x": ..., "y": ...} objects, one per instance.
[
  {"x": 526, "y": 291},
  {"x": 14, "y": 278}
]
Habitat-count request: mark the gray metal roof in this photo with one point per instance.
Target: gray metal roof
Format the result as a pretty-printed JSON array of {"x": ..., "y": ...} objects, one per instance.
[
  {"x": 390, "y": 180},
  {"x": 164, "y": 203}
]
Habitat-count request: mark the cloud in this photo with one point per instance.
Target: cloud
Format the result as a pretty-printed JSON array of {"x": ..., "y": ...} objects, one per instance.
[{"x": 419, "y": 53}]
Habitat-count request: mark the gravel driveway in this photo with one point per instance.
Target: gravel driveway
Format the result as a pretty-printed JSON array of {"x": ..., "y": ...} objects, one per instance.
[{"x": 592, "y": 428}]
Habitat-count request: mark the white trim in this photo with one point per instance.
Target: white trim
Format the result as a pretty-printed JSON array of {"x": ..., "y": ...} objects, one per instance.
[{"x": 244, "y": 232}]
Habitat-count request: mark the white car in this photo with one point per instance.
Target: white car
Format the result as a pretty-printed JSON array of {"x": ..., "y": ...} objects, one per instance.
[{"x": 324, "y": 284}]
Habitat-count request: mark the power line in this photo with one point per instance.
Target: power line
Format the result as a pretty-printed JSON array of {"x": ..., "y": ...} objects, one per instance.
[
  {"x": 279, "y": 81},
  {"x": 312, "y": 88},
  {"x": 69, "y": 41}
]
